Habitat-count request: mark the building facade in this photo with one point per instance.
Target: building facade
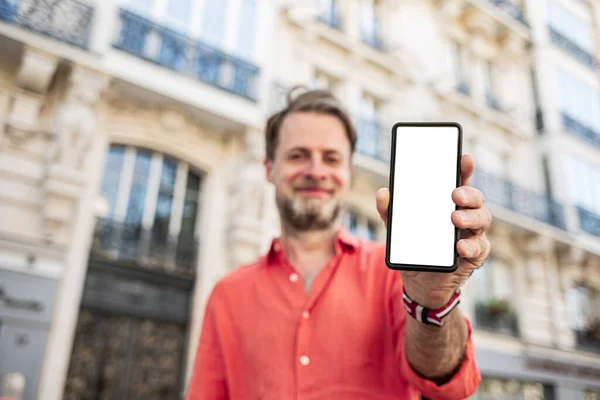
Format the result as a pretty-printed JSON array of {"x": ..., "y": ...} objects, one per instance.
[{"x": 131, "y": 147}]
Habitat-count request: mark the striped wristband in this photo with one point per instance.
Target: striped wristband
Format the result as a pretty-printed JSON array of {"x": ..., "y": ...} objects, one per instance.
[{"x": 428, "y": 316}]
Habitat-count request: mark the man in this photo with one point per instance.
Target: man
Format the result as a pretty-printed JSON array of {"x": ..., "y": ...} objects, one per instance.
[{"x": 320, "y": 316}]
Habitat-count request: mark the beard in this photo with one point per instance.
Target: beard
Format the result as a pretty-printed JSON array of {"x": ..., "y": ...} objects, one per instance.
[{"x": 308, "y": 214}]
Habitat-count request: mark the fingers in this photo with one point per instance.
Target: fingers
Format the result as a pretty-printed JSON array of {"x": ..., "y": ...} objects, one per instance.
[
  {"x": 476, "y": 248},
  {"x": 468, "y": 197},
  {"x": 467, "y": 166},
  {"x": 382, "y": 198},
  {"x": 477, "y": 219}
]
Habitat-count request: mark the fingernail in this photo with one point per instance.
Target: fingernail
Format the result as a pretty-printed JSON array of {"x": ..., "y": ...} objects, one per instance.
[{"x": 464, "y": 217}]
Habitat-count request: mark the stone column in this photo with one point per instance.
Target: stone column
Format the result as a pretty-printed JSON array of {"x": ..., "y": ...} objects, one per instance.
[
  {"x": 247, "y": 193},
  {"x": 73, "y": 173},
  {"x": 536, "y": 313}
]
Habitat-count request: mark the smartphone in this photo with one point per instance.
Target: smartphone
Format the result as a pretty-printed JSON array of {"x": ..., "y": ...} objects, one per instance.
[{"x": 424, "y": 171}]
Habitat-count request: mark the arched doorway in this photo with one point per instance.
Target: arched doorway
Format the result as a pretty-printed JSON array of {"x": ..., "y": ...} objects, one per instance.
[{"x": 133, "y": 324}]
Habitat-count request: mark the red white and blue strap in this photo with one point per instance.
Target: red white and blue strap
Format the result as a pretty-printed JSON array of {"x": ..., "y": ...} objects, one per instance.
[{"x": 428, "y": 316}]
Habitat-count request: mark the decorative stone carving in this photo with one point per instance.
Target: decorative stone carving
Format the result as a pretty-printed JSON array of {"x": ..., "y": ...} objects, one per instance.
[
  {"x": 33, "y": 78},
  {"x": 247, "y": 192},
  {"x": 36, "y": 70},
  {"x": 75, "y": 120},
  {"x": 74, "y": 127}
]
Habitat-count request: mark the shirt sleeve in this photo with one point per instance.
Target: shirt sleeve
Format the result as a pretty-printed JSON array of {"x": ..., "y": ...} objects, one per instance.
[
  {"x": 465, "y": 381},
  {"x": 209, "y": 378}
]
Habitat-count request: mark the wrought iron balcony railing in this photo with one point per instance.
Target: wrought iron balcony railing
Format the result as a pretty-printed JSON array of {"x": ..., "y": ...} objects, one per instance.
[
  {"x": 503, "y": 323},
  {"x": 587, "y": 342},
  {"x": 512, "y": 9},
  {"x": 506, "y": 194},
  {"x": 372, "y": 140},
  {"x": 574, "y": 126},
  {"x": 158, "y": 44},
  {"x": 132, "y": 244},
  {"x": 572, "y": 48},
  {"x": 69, "y": 21},
  {"x": 589, "y": 221}
]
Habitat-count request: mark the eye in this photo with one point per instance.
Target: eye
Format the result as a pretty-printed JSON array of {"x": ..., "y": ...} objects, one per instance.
[
  {"x": 333, "y": 159},
  {"x": 295, "y": 156}
]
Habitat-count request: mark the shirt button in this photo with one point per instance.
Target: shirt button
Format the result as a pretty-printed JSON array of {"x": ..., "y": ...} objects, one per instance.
[
  {"x": 305, "y": 314},
  {"x": 304, "y": 360},
  {"x": 294, "y": 277}
]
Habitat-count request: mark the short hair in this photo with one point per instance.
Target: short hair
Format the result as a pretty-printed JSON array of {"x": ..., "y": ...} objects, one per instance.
[{"x": 319, "y": 101}]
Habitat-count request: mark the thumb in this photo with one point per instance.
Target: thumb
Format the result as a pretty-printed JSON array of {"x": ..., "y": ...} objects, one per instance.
[{"x": 382, "y": 199}]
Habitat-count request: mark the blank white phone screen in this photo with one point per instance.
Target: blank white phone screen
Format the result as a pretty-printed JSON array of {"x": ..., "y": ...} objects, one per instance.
[{"x": 425, "y": 169}]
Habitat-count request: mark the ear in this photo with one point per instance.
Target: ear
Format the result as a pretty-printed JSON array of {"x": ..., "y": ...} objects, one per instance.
[{"x": 268, "y": 169}]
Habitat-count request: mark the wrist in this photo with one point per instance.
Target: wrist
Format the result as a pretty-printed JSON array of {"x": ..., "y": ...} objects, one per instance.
[
  {"x": 430, "y": 316},
  {"x": 431, "y": 299}
]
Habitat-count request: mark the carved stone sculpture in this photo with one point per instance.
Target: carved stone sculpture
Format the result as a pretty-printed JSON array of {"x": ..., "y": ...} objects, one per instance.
[
  {"x": 247, "y": 190},
  {"x": 248, "y": 186},
  {"x": 74, "y": 125}
]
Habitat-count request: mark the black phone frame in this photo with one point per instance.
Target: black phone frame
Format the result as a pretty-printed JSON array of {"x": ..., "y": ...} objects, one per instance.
[{"x": 411, "y": 267}]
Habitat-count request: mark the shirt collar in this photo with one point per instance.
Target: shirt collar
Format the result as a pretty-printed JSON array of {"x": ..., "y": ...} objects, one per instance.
[{"x": 344, "y": 241}]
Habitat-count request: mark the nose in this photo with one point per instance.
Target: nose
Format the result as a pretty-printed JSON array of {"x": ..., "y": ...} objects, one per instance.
[{"x": 317, "y": 169}]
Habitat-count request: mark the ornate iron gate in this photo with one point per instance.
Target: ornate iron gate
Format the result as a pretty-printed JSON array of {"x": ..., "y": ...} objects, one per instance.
[{"x": 121, "y": 357}]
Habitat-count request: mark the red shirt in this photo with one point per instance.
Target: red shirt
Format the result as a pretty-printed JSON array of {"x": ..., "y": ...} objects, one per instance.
[{"x": 264, "y": 338}]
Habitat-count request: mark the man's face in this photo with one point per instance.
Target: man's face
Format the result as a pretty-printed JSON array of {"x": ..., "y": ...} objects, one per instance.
[{"x": 310, "y": 170}]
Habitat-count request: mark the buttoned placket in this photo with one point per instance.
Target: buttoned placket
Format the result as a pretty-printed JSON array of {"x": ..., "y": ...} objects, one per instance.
[{"x": 305, "y": 327}]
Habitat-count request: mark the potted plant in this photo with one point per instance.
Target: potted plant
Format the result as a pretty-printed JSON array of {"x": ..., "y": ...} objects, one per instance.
[{"x": 498, "y": 307}]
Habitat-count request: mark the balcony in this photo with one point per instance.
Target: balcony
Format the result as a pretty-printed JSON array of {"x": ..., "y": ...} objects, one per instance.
[
  {"x": 566, "y": 44},
  {"x": 371, "y": 139},
  {"x": 508, "y": 195},
  {"x": 142, "y": 248},
  {"x": 588, "y": 221},
  {"x": 170, "y": 49},
  {"x": 588, "y": 341},
  {"x": 495, "y": 319},
  {"x": 574, "y": 126},
  {"x": 512, "y": 9},
  {"x": 69, "y": 21}
]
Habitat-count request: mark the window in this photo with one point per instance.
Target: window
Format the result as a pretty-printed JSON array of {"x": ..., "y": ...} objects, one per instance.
[
  {"x": 178, "y": 12},
  {"x": 214, "y": 21},
  {"x": 141, "y": 6},
  {"x": 494, "y": 308},
  {"x": 570, "y": 26},
  {"x": 369, "y": 23},
  {"x": 323, "y": 81},
  {"x": 578, "y": 100},
  {"x": 328, "y": 12},
  {"x": 360, "y": 226},
  {"x": 459, "y": 65},
  {"x": 584, "y": 184},
  {"x": 493, "y": 282},
  {"x": 583, "y": 304},
  {"x": 368, "y": 127},
  {"x": 247, "y": 28},
  {"x": 153, "y": 205}
]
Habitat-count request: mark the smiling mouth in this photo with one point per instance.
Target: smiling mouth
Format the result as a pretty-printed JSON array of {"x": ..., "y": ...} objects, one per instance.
[{"x": 315, "y": 191}]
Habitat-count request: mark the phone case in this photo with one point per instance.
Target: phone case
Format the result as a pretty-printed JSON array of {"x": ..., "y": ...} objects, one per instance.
[{"x": 410, "y": 267}]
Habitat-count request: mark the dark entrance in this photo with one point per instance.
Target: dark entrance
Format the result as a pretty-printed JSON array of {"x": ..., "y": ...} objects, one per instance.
[{"x": 131, "y": 336}]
